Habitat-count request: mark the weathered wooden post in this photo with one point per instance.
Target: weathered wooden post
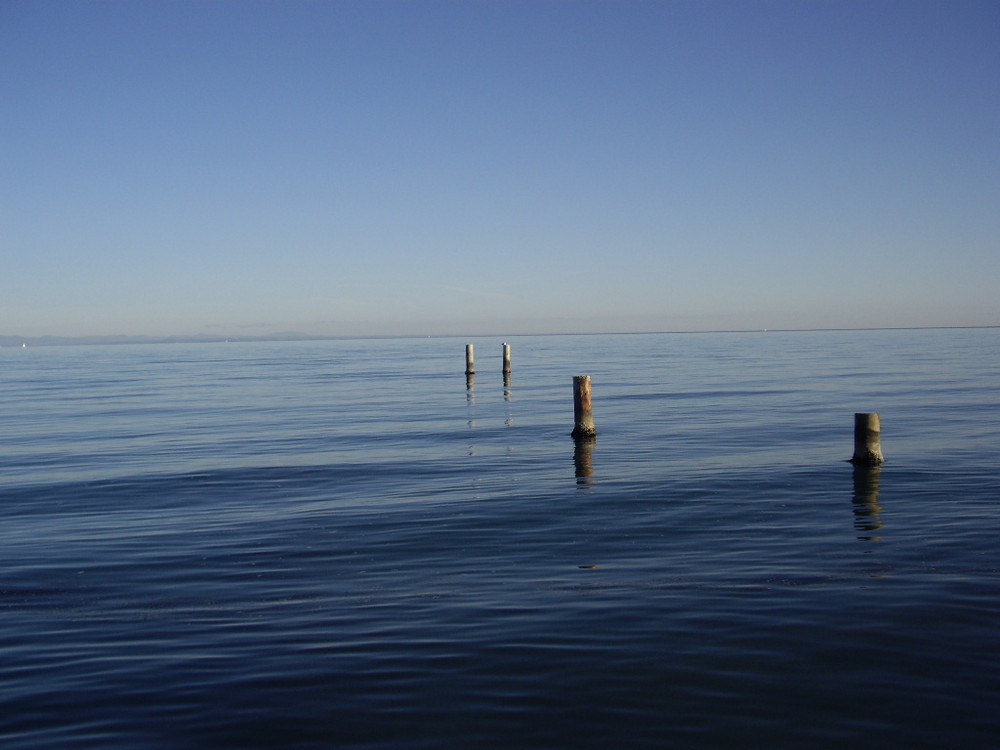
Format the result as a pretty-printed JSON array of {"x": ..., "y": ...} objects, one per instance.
[
  {"x": 506, "y": 358},
  {"x": 867, "y": 440},
  {"x": 470, "y": 362},
  {"x": 583, "y": 414}
]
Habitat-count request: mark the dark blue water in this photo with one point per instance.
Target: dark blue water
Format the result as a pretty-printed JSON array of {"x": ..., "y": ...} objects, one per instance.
[{"x": 341, "y": 545}]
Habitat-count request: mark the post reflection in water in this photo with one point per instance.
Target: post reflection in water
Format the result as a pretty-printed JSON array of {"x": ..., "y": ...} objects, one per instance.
[
  {"x": 867, "y": 511},
  {"x": 583, "y": 459},
  {"x": 470, "y": 400},
  {"x": 507, "y": 394}
]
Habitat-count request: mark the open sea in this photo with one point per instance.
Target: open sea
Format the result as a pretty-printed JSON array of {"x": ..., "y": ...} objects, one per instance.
[{"x": 345, "y": 544}]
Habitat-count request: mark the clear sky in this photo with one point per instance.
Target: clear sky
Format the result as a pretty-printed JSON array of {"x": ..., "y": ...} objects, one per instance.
[{"x": 497, "y": 166}]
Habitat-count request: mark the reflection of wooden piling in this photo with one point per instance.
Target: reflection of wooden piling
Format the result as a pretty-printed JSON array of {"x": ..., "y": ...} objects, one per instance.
[
  {"x": 470, "y": 362},
  {"x": 867, "y": 439},
  {"x": 506, "y": 358},
  {"x": 583, "y": 414},
  {"x": 583, "y": 459},
  {"x": 867, "y": 510}
]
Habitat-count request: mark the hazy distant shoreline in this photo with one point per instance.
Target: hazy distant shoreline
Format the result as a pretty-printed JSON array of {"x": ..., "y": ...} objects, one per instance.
[{"x": 31, "y": 341}]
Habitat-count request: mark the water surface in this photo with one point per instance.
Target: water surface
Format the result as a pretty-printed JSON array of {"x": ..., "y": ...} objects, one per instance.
[{"x": 342, "y": 544}]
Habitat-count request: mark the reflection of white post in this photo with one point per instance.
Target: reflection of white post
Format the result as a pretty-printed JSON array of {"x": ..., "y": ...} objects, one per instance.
[
  {"x": 867, "y": 439},
  {"x": 470, "y": 365},
  {"x": 583, "y": 413},
  {"x": 506, "y": 358},
  {"x": 583, "y": 450}
]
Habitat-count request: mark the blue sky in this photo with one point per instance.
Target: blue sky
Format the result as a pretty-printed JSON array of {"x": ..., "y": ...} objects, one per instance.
[{"x": 478, "y": 167}]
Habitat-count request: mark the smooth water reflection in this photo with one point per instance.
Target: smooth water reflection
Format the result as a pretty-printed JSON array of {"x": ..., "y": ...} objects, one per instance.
[
  {"x": 583, "y": 459},
  {"x": 867, "y": 509}
]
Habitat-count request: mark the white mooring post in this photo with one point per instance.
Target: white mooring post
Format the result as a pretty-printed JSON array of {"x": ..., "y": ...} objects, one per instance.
[
  {"x": 583, "y": 414},
  {"x": 867, "y": 440}
]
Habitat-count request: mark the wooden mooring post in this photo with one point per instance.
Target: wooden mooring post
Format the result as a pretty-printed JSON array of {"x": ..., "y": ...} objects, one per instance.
[
  {"x": 470, "y": 361},
  {"x": 506, "y": 359},
  {"x": 583, "y": 414},
  {"x": 867, "y": 440}
]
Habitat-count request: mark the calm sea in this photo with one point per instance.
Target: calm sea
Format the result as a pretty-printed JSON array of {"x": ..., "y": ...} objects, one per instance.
[{"x": 344, "y": 544}]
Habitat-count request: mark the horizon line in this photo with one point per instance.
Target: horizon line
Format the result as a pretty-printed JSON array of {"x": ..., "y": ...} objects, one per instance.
[{"x": 14, "y": 341}]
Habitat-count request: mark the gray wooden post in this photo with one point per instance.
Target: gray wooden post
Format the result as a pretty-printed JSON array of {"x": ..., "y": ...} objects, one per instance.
[
  {"x": 470, "y": 363},
  {"x": 583, "y": 414},
  {"x": 506, "y": 358},
  {"x": 867, "y": 439}
]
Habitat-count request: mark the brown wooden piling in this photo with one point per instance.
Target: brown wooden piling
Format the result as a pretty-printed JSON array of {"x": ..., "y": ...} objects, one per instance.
[
  {"x": 506, "y": 359},
  {"x": 867, "y": 439},
  {"x": 470, "y": 362},
  {"x": 583, "y": 414}
]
